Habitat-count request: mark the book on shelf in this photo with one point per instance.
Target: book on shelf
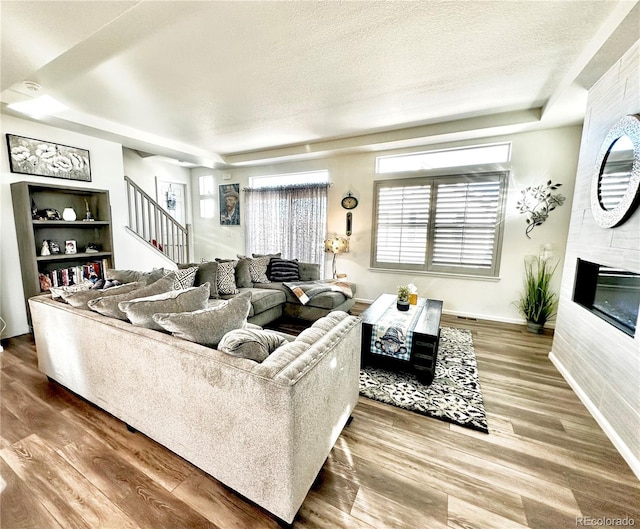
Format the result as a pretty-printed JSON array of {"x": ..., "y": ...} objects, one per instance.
[{"x": 73, "y": 275}]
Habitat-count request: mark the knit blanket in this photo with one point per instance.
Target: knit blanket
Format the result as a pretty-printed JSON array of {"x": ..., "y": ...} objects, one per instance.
[{"x": 305, "y": 291}]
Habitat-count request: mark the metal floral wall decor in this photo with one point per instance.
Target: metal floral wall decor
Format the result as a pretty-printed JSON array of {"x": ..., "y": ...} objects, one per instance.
[
  {"x": 537, "y": 202},
  {"x": 41, "y": 158}
]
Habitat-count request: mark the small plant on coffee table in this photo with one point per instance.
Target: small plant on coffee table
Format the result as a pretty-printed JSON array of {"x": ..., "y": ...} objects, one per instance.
[{"x": 403, "y": 298}]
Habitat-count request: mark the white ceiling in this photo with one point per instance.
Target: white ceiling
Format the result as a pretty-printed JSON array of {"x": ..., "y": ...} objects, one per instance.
[{"x": 233, "y": 82}]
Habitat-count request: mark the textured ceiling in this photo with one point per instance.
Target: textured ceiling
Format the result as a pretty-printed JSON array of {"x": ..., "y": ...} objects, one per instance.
[{"x": 219, "y": 78}]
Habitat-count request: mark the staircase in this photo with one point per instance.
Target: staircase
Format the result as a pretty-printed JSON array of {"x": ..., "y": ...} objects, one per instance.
[{"x": 154, "y": 226}]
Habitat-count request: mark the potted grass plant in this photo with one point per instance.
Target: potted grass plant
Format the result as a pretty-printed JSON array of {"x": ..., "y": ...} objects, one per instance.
[
  {"x": 538, "y": 303},
  {"x": 403, "y": 297}
]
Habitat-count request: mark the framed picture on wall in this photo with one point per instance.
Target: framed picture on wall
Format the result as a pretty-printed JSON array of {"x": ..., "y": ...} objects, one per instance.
[
  {"x": 42, "y": 158},
  {"x": 230, "y": 204}
]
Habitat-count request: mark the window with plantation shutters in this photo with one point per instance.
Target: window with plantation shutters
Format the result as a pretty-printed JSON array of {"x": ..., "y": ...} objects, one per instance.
[
  {"x": 403, "y": 222},
  {"x": 448, "y": 224}
]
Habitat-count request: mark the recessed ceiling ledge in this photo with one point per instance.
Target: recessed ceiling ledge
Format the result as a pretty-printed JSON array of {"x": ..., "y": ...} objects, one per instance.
[{"x": 387, "y": 139}]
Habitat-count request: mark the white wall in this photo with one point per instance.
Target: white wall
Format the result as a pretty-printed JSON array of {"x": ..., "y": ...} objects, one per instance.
[
  {"x": 536, "y": 157},
  {"x": 600, "y": 362},
  {"x": 107, "y": 172},
  {"x": 144, "y": 171}
]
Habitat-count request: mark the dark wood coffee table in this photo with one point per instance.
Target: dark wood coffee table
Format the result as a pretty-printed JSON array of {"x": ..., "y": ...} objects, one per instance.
[{"x": 424, "y": 344}]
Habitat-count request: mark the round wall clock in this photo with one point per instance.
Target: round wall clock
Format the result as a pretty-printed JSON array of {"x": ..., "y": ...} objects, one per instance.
[{"x": 349, "y": 202}]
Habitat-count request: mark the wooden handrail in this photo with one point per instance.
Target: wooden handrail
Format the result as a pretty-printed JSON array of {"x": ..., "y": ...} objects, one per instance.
[{"x": 149, "y": 221}]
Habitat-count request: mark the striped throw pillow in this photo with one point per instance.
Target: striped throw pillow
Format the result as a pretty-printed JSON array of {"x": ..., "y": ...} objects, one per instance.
[{"x": 281, "y": 270}]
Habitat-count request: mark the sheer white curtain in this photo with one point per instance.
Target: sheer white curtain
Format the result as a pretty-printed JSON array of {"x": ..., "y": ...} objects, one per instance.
[{"x": 287, "y": 219}]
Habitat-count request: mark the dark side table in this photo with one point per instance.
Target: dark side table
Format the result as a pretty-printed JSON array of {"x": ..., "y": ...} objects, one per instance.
[{"x": 424, "y": 343}]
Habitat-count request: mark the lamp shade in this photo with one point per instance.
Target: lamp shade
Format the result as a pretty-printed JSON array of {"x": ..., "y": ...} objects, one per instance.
[{"x": 336, "y": 245}]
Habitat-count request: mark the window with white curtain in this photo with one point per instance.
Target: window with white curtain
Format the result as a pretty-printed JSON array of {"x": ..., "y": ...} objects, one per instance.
[
  {"x": 290, "y": 218},
  {"x": 448, "y": 224}
]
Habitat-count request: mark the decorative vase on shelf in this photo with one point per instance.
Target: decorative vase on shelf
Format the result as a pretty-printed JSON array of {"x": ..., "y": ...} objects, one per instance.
[{"x": 69, "y": 214}]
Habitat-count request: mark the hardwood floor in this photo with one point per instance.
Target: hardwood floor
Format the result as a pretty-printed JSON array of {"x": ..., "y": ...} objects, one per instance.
[{"x": 545, "y": 463}]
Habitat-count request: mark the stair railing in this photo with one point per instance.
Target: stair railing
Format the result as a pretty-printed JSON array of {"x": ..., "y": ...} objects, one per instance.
[{"x": 150, "y": 222}]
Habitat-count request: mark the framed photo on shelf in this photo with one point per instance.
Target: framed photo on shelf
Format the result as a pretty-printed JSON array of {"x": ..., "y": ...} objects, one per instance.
[
  {"x": 42, "y": 158},
  {"x": 230, "y": 204},
  {"x": 70, "y": 247}
]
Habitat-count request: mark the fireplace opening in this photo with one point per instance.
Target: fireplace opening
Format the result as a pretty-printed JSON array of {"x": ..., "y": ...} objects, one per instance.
[{"x": 612, "y": 294}]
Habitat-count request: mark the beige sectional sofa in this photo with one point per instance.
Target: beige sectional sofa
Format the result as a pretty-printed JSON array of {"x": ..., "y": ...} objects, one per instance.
[
  {"x": 263, "y": 429},
  {"x": 272, "y": 300}
]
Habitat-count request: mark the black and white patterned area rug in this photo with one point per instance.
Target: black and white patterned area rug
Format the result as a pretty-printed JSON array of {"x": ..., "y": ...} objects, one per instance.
[{"x": 454, "y": 395}]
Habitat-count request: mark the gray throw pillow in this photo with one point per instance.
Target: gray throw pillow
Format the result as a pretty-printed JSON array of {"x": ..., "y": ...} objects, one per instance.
[
  {"x": 80, "y": 300},
  {"x": 207, "y": 273},
  {"x": 108, "y": 306},
  {"x": 207, "y": 326},
  {"x": 243, "y": 276},
  {"x": 130, "y": 276},
  {"x": 251, "y": 343},
  {"x": 140, "y": 311}
]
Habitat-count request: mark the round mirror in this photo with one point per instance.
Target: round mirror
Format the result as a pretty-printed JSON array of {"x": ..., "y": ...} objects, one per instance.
[{"x": 615, "y": 186}]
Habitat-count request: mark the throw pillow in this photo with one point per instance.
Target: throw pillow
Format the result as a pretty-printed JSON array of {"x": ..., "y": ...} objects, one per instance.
[
  {"x": 249, "y": 343},
  {"x": 140, "y": 311},
  {"x": 108, "y": 306},
  {"x": 207, "y": 273},
  {"x": 130, "y": 276},
  {"x": 81, "y": 299},
  {"x": 227, "y": 278},
  {"x": 56, "y": 292},
  {"x": 279, "y": 254},
  {"x": 207, "y": 326},
  {"x": 243, "y": 276},
  {"x": 281, "y": 270},
  {"x": 185, "y": 278},
  {"x": 258, "y": 269}
]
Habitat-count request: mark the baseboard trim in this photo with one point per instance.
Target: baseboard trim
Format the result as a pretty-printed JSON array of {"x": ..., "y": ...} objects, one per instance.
[{"x": 620, "y": 445}]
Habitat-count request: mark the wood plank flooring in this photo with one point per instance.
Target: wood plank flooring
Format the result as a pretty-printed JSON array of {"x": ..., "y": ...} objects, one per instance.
[{"x": 545, "y": 464}]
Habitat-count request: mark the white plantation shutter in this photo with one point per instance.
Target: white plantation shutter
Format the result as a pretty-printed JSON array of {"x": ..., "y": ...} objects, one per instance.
[
  {"x": 403, "y": 220},
  {"x": 449, "y": 224},
  {"x": 465, "y": 224}
]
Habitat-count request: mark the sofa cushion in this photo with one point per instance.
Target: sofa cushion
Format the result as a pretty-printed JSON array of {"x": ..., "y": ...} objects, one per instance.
[
  {"x": 262, "y": 299},
  {"x": 81, "y": 299},
  {"x": 207, "y": 273},
  {"x": 140, "y": 311},
  {"x": 325, "y": 300},
  {"x": 207, "y": 326},
  {"x": 130, "y": 276},
  {"x": 251, "y": 343},
  {"x": 108, "y": 306},
  {"x": 226, "y": 277},
  {"x": 309, "y": 271},
  {"x": 283, "y": 270}
]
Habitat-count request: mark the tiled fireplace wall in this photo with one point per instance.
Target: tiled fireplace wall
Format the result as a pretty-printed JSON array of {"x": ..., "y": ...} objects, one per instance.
[{"x": 600, "y": 362}]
